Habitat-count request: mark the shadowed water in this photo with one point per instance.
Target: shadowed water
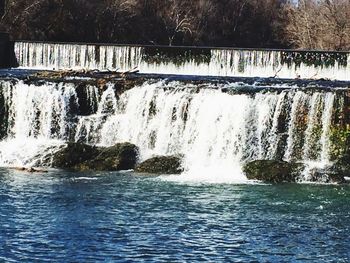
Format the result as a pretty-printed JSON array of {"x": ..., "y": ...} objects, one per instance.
[{"x": 75, "y": 217}]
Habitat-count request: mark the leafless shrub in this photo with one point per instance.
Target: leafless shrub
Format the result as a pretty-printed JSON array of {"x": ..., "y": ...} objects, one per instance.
[
  {"x": 312, "y": 24},
  {"x": 317, "y": 24}
]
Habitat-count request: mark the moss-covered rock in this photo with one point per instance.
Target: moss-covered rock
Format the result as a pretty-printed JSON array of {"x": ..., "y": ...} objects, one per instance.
[
  {"x": 341, "y": 168},
  {"x": 122, "y": 156},
  {"x": 78, "y": 156},
  {"x": 272, "y": 171},
  {"x": 280, "y": 171},
  {"x": 340, "y": 142},
  {"x": 332, "y": 174},
  {"x": 73, "y": 154},
  {"x": 161, "y": 165}
]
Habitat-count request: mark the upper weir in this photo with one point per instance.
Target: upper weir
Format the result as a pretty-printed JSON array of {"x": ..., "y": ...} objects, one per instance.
[{"x": 200, "y": 61}]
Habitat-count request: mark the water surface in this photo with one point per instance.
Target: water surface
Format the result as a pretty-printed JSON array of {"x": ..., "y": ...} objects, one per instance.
[{"x": 76, "y": 217}]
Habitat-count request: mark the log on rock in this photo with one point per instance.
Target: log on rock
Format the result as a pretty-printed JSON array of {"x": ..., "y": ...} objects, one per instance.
[{"x": 30, "y": 169}]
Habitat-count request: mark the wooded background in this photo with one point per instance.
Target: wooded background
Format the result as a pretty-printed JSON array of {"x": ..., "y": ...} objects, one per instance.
[{"x": 303, "y": 24}]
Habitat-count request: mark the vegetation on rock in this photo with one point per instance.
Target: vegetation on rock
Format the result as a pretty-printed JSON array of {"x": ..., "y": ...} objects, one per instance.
[
  {"x": 73, "y": 154},
  {"x": 161, "y": 165},
  {"x": 78, "y": 156},
  {"x": 333, "y": 174},
  {"x": 272, "y": 171},
  {"x": 122, "y": 156}
]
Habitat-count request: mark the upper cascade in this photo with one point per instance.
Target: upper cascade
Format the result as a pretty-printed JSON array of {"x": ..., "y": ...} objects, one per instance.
[{"x": 185, "y": 60}]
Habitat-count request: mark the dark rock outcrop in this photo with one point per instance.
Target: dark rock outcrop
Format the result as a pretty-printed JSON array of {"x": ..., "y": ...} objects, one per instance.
[
  {"x": 122, "y": 156},
  {"x": 73, "y": 154},
  {"x": 161, "y": 165},
  {"x": 272, "y": 171},
  {"x": 331, "y": 174},
  {"x": 78, "y": 156},
  {"x": 340, "y": 169}
]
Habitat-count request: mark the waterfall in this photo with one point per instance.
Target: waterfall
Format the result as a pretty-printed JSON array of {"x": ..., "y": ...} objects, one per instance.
[
  {"x": 55, "y": 56},
  {"x": 39, "y": 119},
  {"x": 296, "y": 125},
  {"x": 214, "y": 128},
  {"x": 185, "y": 61},
  {"x": 119, "y": 58}
]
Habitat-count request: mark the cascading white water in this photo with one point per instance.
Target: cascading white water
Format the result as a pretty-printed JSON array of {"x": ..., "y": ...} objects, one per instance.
[
  {"x": 311, "y": 137},
  {"x": 214, "y": 131},
  {"x": 40, "y": 111},
  {"x": 265, "y": 63},
  {"x": 326, "y": 127},
  {"x": 274, "y": 137},
  {"x": 38, "y": 120},
  {"x": 119, "y": 58},
  {"x": 55, "y": 56},
  {"x": 312, "y": 133},
  {"x": 294, "y": 130},
  {"x": 218, "y": 62},
  {"x": 88, "y": 126}
]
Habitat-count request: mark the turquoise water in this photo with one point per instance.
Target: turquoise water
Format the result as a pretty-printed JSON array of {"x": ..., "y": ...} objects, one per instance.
[{"x": 74, "y": 217}]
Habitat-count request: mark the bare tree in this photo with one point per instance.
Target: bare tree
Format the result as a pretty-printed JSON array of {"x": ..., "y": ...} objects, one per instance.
[
  {"x": 303, "y": 24},
  {"x": 318, "y": 24},
  {"x": 336, "y": 16},
  {"x": 177, "y": 17},
  {"x": 311, "y": 24},
  {"x": 112, "y": 18}
]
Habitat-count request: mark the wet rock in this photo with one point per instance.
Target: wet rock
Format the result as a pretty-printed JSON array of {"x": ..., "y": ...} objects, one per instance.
[
  {"x": 337, "y": 172},
  {"x": 79, "y": 156},
  {"x": 86, "y": 107},
  {"x": 344, "y": 160},
  {"x": 272, "y": 171},
  {"x": 73, "y": 154},
  {"x": 4, "y": 123},
  {"x": 122, "y": 156},
  {"x": 332, "y": 174},
  {"x": 281, "y": 146},
  {"x": 161, "y": 165}
]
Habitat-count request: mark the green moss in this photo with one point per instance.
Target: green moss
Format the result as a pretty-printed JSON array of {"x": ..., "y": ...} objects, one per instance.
[
  {"x": 176, "y": 55},
  {"x": 273, "y": 171},
  {"x": 122, "y": 156},
  {"x": 78, "y": 156},
  {"x": 300, "y": 128},
  {"x": 317, "y": 59},
  {"x": 241, "y": 63},
  {"x": 339, "y": 137},
  {"x": 161, "y": 165}
]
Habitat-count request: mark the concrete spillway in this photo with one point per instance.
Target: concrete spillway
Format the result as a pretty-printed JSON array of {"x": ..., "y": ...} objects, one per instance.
[{"x": 185, "y": 60}]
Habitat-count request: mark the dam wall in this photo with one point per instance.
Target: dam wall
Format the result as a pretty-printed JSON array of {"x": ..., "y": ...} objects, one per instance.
[{"x": 203, "y": 61}]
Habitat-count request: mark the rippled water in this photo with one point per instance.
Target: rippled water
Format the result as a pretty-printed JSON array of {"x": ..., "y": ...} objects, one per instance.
[{"x": 73, "y": 217}]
